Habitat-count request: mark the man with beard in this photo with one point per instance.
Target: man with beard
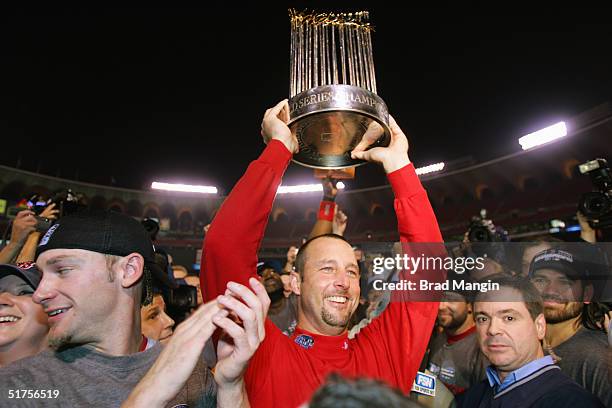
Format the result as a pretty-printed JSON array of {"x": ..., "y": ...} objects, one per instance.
[
  {"x": 285, "y": 371},
  {"x": 96, "y": 272},
  {"x": 510, "y": 327},
  {"x": 455, "y": 357},
  {"x": 562, "y": 277},
  {"x": 283, "y": 310}
]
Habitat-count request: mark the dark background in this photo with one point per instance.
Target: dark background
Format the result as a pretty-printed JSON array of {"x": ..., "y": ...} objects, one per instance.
[{"x": 124, "y": 96}]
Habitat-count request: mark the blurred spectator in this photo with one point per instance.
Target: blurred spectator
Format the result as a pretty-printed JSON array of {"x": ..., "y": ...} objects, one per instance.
[
  {"x": 587, "y": 233},
  {"x": 163, "y": 258},
  {"x": 291, "y": 254},
  {"x": 338, "y": 392},
  {"x": 285, "y": 274},
  {"x": 369, "y": 308},
  {"x": 283, "y": 310},
  {"x": 23, "y": 323},
  {"x": 156, "y": 324},
  {"x": 491, "y": 268},
  {"x": 340, "y": 222},
  {"x": 562, "y": 275},
  {"x": 510, "y": 325},
  {"x": 455, "y": 357}
]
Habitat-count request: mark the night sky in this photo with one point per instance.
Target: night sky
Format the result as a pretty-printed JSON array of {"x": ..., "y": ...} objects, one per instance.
[{"x": 125, "y": 96}]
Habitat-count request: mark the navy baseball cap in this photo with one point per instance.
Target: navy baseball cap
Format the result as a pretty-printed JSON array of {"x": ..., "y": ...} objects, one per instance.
[
  {"x": 577, "y": 262},
  {"x": 26, "y": 271}
]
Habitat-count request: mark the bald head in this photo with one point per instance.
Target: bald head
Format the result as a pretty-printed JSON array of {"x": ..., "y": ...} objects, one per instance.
[{"x": 300, "y": 260}]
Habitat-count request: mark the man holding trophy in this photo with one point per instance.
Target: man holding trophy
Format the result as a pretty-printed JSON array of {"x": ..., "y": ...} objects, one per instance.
[{"x": 333, "y": 120}]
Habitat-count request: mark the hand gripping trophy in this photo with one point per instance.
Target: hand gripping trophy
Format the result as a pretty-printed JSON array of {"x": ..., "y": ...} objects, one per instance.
[{"x": 333, "y": 101}]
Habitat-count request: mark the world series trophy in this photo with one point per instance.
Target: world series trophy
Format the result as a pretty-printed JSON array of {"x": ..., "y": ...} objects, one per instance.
[{"x": 333, "y": 102}]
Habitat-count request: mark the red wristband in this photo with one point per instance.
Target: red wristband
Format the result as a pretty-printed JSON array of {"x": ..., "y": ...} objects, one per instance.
[{"x": 326, "y": 211}]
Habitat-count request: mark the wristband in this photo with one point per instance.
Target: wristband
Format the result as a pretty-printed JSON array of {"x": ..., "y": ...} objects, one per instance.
[{"x": 326, "y": 211}]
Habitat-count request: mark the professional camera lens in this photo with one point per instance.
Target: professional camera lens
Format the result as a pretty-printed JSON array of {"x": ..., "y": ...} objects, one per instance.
[
  {"x": 595, "y": 204},
  {"x": 479, "y": 234},
  {"x": 184, "y": 297}
]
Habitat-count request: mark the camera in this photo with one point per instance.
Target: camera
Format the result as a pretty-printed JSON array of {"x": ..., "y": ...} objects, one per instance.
[
  {"x": 597, "y": 205},
  {"x": 482, "y": 229},
  {"x": 42, "y": 223},
  {"x": 183, "y": 298},
  {"x": 66, "y": 202},
  {"x": 486, "y": 239}
]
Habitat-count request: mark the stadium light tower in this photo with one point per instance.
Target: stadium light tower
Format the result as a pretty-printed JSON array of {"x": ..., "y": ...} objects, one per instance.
[{"x": 542, "y": 136}]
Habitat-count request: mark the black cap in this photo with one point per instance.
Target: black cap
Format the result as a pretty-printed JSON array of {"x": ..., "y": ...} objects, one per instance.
[
  {"x": 578, "y": 261},
  {"x": 26, "y": 271},
  {"x": 261, "y": 266},
  {"x": 105, "y": 232}
]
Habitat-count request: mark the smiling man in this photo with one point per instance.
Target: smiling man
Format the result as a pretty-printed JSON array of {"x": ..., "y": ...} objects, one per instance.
[
  {"x": 565, "y": 276},
  {"x": 510, "y": 327},
  {"x": 285, "y": 371},
  {"x": 96, "y": 270}
]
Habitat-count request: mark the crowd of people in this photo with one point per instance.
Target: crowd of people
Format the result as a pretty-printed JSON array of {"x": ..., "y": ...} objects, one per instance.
[{"x": 92, "y": 313}]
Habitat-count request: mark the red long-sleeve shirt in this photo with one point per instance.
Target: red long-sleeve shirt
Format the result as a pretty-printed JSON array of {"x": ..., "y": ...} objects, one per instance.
[{"x": 283, "y": 373}]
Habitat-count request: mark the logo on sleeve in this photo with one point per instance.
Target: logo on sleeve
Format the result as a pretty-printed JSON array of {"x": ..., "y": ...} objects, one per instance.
[
  {"x": 304, "y": 341},
  {"x": 48, "y": 234}
]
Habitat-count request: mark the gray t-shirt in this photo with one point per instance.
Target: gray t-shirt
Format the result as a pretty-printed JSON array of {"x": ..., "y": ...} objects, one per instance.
[
  {"x": 87, "y": 378},
  {"x": 457, "y": 361},
  {"x": 587, "y": 358},
  {"x": 285, "y": 317}
]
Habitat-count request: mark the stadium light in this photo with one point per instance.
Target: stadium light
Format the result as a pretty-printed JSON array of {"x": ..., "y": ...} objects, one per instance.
[
  {"x": 430, "y": 169},
  {"x": 305, "y": 188},
  {"x": 184, "y": 188},
  {"x": 548, "y": 134}
]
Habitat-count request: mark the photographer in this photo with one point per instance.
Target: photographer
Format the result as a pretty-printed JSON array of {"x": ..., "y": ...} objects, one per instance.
[
  {"x": 595, "y": 207},
  {"x": 44, "y": 221},
  {"x": 484, "y": 239},
  {"x": 25, "y": 233}
]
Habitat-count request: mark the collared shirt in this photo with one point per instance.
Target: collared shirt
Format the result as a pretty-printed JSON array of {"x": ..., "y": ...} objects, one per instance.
[{"x": 517, "y": 374}]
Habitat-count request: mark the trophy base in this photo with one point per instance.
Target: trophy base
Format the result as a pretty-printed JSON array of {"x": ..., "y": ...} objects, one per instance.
[{"x": 330, "y": 120}]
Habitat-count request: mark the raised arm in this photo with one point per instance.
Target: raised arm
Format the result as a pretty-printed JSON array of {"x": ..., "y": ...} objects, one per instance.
[
  {"x": 327, "y": 210},
  {"x": 231, "y": 244},
  {"x": 23, "y": 225},
  {"x": 416, "y": 219},
  {"x": 402, "y": 331}
]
